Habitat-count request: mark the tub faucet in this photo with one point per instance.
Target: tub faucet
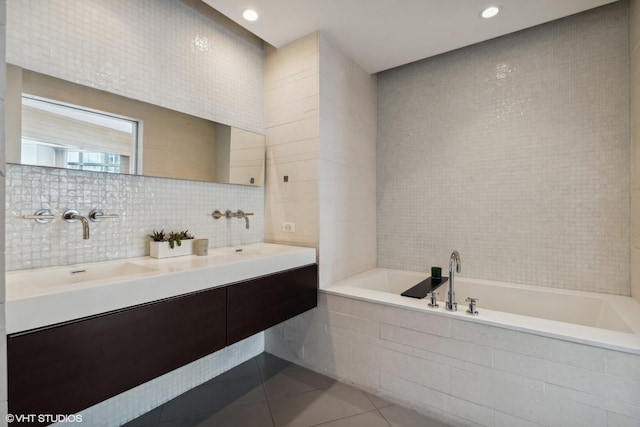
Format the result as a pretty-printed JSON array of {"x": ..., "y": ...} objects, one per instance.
[
  {"x": 454, "y": 267},
  {"x": 73, "y": 216}
]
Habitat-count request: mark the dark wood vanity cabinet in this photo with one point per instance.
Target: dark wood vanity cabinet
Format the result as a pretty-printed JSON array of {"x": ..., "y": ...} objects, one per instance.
[
  {"x": 69, "y": 367},
  {"x": 258, "y": 304},
  {"x": 65, "y": 368}
]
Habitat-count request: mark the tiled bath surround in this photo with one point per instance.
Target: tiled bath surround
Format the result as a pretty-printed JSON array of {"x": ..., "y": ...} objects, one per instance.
[
  {"x": 462, "y": 372},
  {"x": 515, "y": 152}
]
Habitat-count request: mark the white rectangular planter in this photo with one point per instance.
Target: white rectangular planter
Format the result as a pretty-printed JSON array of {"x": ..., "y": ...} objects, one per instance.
[{"x": 162, "y": 249}]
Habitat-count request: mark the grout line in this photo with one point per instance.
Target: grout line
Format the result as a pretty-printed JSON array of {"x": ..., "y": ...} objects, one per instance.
[
  {"x": 348, "y": 416},
  {"x": 264, "y": 390},
  {"x": 383, "y": 417}
]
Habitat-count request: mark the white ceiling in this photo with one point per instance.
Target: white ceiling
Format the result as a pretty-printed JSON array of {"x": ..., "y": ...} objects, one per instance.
[{"x": 382, "y": 34}]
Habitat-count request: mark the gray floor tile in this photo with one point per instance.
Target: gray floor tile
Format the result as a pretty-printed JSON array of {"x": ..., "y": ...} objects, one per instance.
[
  {"x": 253, "y": 415},
  {"x": 297, "y": 397},
  {"x": 269, "y": 365},
  {"x": 293, "y": 381},
  {"x": 320, "y": 406},
  {"x": 398, "y": 416},
  {"x": 243, "y": 370},
  {"x": 212, "y": 397},
  {"x": 377, "y": 401},
  {"x": 151, "y": 418},
  {"x": 183, "y": 422},
  {"x": 368, "y": 419}
]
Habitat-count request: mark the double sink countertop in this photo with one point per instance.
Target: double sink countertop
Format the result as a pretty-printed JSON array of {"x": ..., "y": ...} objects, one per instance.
[{"x": 47, "y": 296}]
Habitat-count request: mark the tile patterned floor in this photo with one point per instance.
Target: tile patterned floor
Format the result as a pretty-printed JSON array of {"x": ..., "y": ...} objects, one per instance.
[{"x": 270, "y": 392}]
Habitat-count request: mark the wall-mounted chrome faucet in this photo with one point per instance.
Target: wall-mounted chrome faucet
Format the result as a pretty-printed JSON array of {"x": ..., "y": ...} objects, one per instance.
[
  {"x": 245, "y": 215},
  {"x": 454, "y": 267},
  {"x": 230, "y": 214},
  {"x": 71, "y": 215}
]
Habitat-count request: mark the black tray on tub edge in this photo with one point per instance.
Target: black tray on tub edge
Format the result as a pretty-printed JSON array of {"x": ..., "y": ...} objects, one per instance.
[{"x": 423, "y": 288}]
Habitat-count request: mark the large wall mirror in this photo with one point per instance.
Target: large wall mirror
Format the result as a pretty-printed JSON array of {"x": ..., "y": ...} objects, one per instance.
[{"x": 56, "y": 123}]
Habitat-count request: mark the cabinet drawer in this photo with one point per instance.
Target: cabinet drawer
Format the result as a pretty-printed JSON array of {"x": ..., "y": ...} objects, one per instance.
[
  {"x": 66, "y": 368},
  {"x": 258, "y": 304}
]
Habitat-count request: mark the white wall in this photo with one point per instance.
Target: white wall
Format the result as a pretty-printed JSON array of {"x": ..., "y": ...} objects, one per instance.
[
  {"x": 292, "y": 129},
  {"x": 515, "y": 152},
  {"x": 320, "y": 113},
  {"x": 347, "y": 166}
]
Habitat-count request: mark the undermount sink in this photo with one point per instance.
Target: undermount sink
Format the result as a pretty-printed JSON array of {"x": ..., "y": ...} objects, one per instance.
[
  {"x": 67, "y": 275},
  {"x": 255, "y": 249},
  {"x": 47, "y": 296}
]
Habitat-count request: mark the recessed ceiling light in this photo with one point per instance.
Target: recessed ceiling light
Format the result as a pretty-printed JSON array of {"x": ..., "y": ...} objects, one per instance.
[
  {"x": 490, "y": 12},
  {"x": 250, "y": 15}
]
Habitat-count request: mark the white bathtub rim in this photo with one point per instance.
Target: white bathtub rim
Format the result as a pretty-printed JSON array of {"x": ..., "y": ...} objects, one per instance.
[{"x": 603, "y": 338}]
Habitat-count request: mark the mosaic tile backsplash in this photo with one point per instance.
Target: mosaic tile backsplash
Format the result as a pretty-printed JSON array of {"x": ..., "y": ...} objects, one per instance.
[
  {"x": 515, "y": 152},
  {"x": 144, "y": 204},
  {"x": 178, "y": 54}
]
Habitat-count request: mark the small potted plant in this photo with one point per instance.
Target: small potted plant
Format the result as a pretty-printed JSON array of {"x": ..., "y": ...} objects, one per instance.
[{"x": 172, "y": 244}]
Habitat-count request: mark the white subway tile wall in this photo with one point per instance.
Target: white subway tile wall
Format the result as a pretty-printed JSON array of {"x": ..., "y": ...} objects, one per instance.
[
  {"x": 321, "y": 134},
  {"x": 181, "y": 55},
  {"x": 347, "y": 170},
  {"x": 292, "y": 129},
  {"x": 144, "y": 204},
  {"x": 463, "y": 373},
  {"x": 515, "y": 152}
]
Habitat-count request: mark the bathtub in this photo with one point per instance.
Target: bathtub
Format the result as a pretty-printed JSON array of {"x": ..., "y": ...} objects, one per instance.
[{"x": 601, "y": 320}]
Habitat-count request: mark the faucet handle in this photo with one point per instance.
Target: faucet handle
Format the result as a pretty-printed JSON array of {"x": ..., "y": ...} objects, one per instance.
[
  {"x": 472, "y": 306},
  {"x": 70, "y": 215},
  {"x": 433, "y": 295},
  {"x": 97, "y": 214}
]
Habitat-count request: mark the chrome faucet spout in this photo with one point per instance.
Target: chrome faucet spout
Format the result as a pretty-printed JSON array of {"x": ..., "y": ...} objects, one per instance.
[
  {"x": 85, "y": 226},
  {"x": 245, "y": 215},
  {"x": 73, "y": 216},
  {"x": 454, "y": 267}
]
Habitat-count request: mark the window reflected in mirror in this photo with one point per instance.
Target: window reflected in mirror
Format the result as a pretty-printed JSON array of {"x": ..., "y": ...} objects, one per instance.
[{"x": 71, "y": 137}]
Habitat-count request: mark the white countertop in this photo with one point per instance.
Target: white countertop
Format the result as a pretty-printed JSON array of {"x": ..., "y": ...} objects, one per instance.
[{"x": 41, "y": 297}]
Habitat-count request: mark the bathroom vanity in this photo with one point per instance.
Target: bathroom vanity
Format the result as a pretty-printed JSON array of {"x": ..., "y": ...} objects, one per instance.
[{"x": 198, "y": 306}]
